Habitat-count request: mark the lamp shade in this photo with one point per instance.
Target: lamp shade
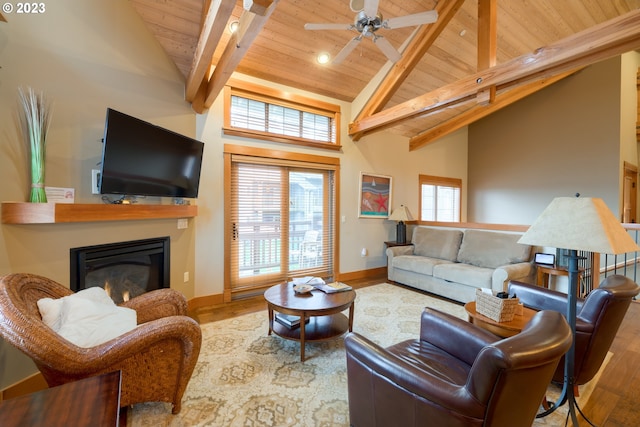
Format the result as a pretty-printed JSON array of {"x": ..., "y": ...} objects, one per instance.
[
  {"x": 580, "y": 223},
  {"x": 401, "y": 214}
]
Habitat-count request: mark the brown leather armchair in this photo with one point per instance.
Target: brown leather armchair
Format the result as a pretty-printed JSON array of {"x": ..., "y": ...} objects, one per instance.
[
  {"x": 156, "y": 359},
  {"x": 599, "y": 316},
  {"x": 455, "y": 374}
]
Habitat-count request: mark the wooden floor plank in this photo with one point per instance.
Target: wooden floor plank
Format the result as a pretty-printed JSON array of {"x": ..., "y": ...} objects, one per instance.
[{"x": 599, "y": 407}]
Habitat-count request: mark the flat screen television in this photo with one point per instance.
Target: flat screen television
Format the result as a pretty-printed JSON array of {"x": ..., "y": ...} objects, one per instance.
[{"x": 142, "y": 159}]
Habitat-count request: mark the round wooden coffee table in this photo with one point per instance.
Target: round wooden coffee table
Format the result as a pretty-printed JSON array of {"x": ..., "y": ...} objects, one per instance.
[
  {"x": 323, "y": 310},
  {"x": 502, "y": 329}
]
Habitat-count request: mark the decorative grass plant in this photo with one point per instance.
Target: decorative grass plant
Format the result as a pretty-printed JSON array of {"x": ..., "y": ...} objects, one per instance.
[{"x": 34, "y": 120}]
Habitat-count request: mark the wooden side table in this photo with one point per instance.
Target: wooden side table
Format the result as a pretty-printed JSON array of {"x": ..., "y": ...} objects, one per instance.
[
  {"x": 544, "y": 273},
  {"x": 89, "y": 402},
  {"x": 502, "y": 329}
]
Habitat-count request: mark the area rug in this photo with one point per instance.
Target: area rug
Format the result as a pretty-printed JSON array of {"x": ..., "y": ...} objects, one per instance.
[{"x": 246, "y": 378}]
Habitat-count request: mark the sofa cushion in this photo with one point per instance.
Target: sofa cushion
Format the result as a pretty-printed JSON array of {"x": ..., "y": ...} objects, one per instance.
[
  {"x": 418, "y": 264},
  {"x": 434, "y": 243},
  {"x": 492, "y": 250},
  {"x": 465, "y": 274}
]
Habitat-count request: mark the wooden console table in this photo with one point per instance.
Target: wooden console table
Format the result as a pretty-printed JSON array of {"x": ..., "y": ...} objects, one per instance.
[{"x": 89, "y": 402}]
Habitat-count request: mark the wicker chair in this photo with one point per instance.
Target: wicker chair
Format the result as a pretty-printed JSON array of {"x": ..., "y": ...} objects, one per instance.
[{"x": 156, "y": 359}]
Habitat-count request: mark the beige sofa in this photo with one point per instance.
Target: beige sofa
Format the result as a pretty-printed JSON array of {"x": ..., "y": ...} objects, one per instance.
[{"x": 454, "y": 263}]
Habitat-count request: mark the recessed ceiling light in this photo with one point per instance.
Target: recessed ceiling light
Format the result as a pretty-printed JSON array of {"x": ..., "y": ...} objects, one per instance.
[
  {"x": 323, "y": 58},
  {"x": 233, "y": 26}
]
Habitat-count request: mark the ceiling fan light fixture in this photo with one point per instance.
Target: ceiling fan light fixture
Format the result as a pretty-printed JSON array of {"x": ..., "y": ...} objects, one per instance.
[
  {"x": 233, "y": 26},
  {"x": 356, "y": 5},
  {"x": 363, "y": 22},
  {"x": 323, "y": 58}
]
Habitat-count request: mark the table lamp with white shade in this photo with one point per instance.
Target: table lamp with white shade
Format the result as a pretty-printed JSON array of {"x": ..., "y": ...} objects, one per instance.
[
  {"x": 577, "y": 224},
  {"x": 401, "y": 215}
]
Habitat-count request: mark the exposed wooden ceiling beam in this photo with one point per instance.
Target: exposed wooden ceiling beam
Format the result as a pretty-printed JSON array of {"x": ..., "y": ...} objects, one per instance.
[
  {"x": 214, "y": 25},
  {"x": 480, "y": 111},
  {"x": 259, "y": 7},
  {"x": 410, "y": 58},
  {"x": 487, "y": 43},
  {"x": 613, "y": 37},
  {"x": 2, "y": 18},
  {"x": 250, "y": 26}
]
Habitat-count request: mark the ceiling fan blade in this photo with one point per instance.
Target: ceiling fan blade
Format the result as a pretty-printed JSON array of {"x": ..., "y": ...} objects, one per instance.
[
  {"x": 371, "y": 8},
  {"x": 346, "y": 50},
  {"x": 389, "y": 51},
  {"x": 328, "y": 26},
  {"x": 427, "y": 17}
]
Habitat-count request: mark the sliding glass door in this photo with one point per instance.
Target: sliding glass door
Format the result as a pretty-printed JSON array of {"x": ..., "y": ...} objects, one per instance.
[{"x": 282, "y": 221}]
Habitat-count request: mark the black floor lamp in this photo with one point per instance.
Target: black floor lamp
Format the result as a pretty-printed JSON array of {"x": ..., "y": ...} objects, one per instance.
[{"x": 585, "y": 224}]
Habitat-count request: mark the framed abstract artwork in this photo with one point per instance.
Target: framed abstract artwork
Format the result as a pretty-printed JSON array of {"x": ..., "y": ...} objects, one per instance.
[{"x": 374, "y": 196}]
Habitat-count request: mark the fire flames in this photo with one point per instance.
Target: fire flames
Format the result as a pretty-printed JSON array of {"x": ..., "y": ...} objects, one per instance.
[{"x": 108, "y": 289}]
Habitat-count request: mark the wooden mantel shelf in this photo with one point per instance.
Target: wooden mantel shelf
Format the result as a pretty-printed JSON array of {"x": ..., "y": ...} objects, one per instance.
[{"x": 53, "y": 213}]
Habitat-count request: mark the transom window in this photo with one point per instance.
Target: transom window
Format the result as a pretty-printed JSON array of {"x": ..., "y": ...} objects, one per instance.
[
  {"x": 263, "y": 113},
  {"x": 439, "y": 198}
]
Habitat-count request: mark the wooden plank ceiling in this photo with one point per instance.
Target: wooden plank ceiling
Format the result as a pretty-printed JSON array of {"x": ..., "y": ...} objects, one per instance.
[{"x": 479, "y": 56}]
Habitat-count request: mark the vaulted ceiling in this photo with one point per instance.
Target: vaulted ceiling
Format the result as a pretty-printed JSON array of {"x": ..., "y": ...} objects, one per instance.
[{"x": 479, "y": 56}]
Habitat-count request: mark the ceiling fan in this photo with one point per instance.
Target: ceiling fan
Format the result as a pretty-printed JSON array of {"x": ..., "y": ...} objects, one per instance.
[{"x": 368, "y": 21}]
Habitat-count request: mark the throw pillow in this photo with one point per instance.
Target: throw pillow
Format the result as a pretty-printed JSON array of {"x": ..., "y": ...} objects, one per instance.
[
  {"x": 50, "y": 307},
  {"x": 88, "y": 323},
  {"x": 87, "y": 318}
]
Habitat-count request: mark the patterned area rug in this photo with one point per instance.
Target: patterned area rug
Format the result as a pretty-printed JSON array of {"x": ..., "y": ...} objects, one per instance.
[{"x": 246, "y": 378}]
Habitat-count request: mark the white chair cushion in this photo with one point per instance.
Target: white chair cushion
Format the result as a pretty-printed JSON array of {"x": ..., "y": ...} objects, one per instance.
[
  {"x": 87, "y": 318},
  {"x": 50, "y": 308}
]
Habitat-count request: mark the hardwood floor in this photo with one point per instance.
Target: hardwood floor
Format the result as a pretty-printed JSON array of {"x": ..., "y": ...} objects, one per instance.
[
  {"x": 616, "y": 397},
  {"x": 614, "y": 401}
]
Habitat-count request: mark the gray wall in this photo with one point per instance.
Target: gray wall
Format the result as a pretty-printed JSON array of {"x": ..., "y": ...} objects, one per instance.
[{"x": 559, "y": 141}]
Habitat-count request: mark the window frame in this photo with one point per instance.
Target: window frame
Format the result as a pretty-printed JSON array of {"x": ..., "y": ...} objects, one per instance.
[
  {"x": 443, "y": 182},
  {"x": 283, "y": 99}
]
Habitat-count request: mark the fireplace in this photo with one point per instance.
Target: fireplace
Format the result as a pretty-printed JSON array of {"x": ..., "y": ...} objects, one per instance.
[{"x": 125, "y": 269}]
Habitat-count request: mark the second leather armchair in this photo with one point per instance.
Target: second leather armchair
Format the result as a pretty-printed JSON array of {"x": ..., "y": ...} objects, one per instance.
[{"x": 599, "y": 316}]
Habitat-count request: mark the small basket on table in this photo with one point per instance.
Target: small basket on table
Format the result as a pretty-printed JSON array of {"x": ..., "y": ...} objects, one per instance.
[{"x": 496, "y": 309}]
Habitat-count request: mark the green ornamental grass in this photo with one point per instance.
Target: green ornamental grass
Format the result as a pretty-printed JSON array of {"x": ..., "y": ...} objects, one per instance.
[{"x": 34, "y": 120}]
